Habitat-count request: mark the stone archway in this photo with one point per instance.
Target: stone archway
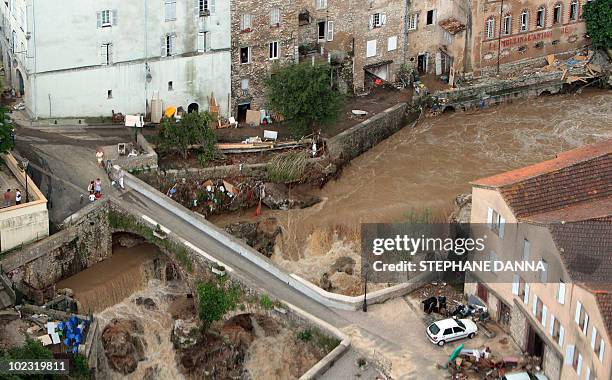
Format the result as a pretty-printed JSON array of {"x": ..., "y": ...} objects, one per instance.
[
  {"x": 193, "y": 107},
  {"x": 20, "y": 83}
]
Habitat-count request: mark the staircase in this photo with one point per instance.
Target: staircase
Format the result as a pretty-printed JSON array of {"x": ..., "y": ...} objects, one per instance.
[{"x": 7, "y": 295}]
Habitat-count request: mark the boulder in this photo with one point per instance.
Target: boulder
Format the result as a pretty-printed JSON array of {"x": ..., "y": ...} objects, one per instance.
[
  {"x": 123, "y": 344},
  {"x": 147, "y": 302},
  {"x": 185, "y": 333},
  {"x": 277, "y": 197},
  {"x": 344, "y": 264}
]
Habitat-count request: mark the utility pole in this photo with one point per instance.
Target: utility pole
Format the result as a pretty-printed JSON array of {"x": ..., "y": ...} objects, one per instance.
[
  {"x": 501, "y": 16},
  {"x": 365, "y": 293}
]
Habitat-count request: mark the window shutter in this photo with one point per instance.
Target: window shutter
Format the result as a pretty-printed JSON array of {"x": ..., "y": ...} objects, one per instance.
[
  {"x": 164, "y": 53},
  {"x": 99, "y": 19},
  {"x": 371, "y": 22},
  {"x": 561, "y": 295},
  {"x": 330, "y": 30},
  {"x": 196, "y": 7},
  {"x": 489, "y": 217},
  {"x": 515, "y": 284},
  {"x": 585, "y": 328},
  {"x": 534, "y": 307},
  {"x": 502, "y": 224},
  {"x": 551, "y": 327},
  {"x": 579, "y": 366},
  {"x": 561, "y": 335},
  {"x": 383, "y": 18},
  {"x": 588, "y": 374},
  {"x": 207, "y": 41},
  {"x": 544, "y": 315},
  {"x": 211, "y": 6},
  {"x": 577, "y": 315},
  {"x": 114, "y": 20},
  {"x": 569, "y": 355},
  {"x": 172, "y": 45},
  {"x": 526, "y": 296},
  {"x": 102, "y": 55},
  {"x": 201, "y": 42},
  {"x": 110, "y": 53},
  {"x": 593, "y": 337},
  {"x": 602, "y": 349}
]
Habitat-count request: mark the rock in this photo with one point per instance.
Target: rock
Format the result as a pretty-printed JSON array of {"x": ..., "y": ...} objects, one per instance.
[
  {"x": 325, "y": 283},
  {"x": 66, "y": 292},
  {"x": 277, "y": 198},
  {"x": 185, "y": 333},
  {"x": 259, "y": 235},
  {"x": 123, "y": 344},
  {"x": 344, "y": 264},
  {"x": 148, "y": 303},
  {"x": 152, "y": 373}
]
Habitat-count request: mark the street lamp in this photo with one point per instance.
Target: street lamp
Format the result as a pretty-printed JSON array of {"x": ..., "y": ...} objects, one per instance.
[
  {"x": 365, "y": 293},
  {"x": 24, "y": 166}
]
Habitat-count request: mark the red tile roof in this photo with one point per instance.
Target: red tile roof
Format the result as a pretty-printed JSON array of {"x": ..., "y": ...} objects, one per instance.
[{"x": 579, "y": 175}]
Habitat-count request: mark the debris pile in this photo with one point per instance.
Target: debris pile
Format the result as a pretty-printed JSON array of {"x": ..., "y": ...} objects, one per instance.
[
  {"x": 481, "y": 363},
  {"x": 577, "y": 68}
]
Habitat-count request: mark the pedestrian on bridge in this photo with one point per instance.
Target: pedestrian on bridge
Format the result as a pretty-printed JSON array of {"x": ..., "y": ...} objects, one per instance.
[
  {"x": 7, "y": 198},
  {"x": 17, "y": 197}
]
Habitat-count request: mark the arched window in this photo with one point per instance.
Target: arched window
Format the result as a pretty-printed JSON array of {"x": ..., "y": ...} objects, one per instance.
[
  {"x": 507, "y": 27},
  {"x": 574, "y": 10},
  {"x": 540, "y": 17},
  {"x": 490, "y": 28},
  {"x": 524, "y": 20},
  {"x": 558, "y": 13}
]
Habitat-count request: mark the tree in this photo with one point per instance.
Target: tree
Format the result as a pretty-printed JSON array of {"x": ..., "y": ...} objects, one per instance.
[
  {"x": 303, "y": 94},
  {"x": 598, "y": 16},
  {"x": 31, "y": 349},
  {"x": 193, "y": 130},
  {"x": 215, "y": 301},
  {"x": 6, "y": 132}
]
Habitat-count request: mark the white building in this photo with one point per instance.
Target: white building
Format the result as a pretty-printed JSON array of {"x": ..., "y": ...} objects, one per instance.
[{"x": 86, "y": 58}]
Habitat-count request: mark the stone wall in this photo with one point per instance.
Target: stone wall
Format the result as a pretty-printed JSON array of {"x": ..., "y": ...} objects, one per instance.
[
  {"x": 36, "y": 267},
  {"x": 551, "y": 363},
  {"x": 518, "y": 326},
  {"x": 363, "y": 136},
  {"x": 146, "y": 160}
]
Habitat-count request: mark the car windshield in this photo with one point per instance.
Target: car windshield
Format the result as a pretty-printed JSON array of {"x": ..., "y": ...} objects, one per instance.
[
  {"x": 434, "y": 329},
  {"x": 460, "y": 324}
]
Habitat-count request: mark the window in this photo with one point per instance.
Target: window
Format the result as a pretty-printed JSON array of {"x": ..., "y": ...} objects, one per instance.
[
  {"x": 320, "y": 4},
  {"x": 516, "y": 284},
  {"x": 495, "y": 221},
  {"x": 544, "y": 272},
  {"x": 573, "y": 10},
  {"x": 556, "y": 330},
  {"x": 205, "y": 7},
  {"x": 106, "y": 53},
  {"x": 377, "y": 20},
  {"x": 581, "y": 317},
  {"x": 245, "y": 55},
  {"x": 557, "y": 12},
  {"x": 577, "y": 361},
  {"x": 431, "y": 16},
  {"x": 170, "y": 8},
  {"x": 321, "y": 28},
  {"x": 526, "y": 249},
  {"x": 170, "y": 87},
  {"x": 275, "y": 18},
  {"x": 203, "y": 42},
  {"x": 168, "y": 45},
  {"x": 540, "y": 17},
  {"x": 490, "y": 27},
  {"x": 507, "y": 28},
  {"x": 273, "y": 50},
  {"x": 524, "y": 21},
  {"x": 109, "y": 94},
  {"x": 371, "y": 49},
  {"x": 245, "y": 22},
  {"x": 482, "y": 292},
  {"x": 330, "y": 30},
  {"x": 392, "y": 43},
  {"x": 561, "y": 292},
  {"x": 244, "y": 84},
  {"x": 413, "y": 21},
  {"x": 106, "y": 18}
]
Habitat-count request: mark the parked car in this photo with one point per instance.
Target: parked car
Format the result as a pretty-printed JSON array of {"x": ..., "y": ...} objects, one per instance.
[
  {"x": 525, "y": 376},
  {"x": 446, "y": 330}
]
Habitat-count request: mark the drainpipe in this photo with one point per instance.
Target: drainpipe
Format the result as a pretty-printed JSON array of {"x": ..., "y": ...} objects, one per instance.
[
  {"x": 146, "y": 58},
  {"x": 35, "y": 75},
  {"x": 406, "y": 22},
  {"x": 501, "y": 15}
]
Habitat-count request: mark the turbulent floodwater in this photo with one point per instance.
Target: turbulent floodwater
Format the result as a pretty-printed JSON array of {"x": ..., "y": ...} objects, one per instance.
[{"x": 426, "y": 167}]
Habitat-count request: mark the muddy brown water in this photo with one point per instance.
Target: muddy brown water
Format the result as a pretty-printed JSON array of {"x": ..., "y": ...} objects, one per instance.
[
  {"x": 110, "y": 281},
  {"x": 427, "y": 166}
]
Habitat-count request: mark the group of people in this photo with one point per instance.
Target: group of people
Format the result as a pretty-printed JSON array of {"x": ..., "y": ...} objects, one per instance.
[
  {"x": 9, "y": 197},
  {"x": 95, "y": 190}
]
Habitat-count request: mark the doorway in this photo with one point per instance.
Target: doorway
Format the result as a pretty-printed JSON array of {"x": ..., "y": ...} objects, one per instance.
[
  {"x": 242, "y": 111},
  {"x": 422, "y": 63},
  {"x": 21, "y": 85},
  {"x": 503, "y": 316},
  {"x": 535, "y": 344},
  {"x": 193, "y": 107}
]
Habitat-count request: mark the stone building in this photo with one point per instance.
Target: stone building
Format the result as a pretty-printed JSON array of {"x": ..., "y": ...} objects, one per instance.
[
  {"x": 93, "y": 57},
  {"x": 514, "y": 31},
  {"x": 557, "y": 213}
]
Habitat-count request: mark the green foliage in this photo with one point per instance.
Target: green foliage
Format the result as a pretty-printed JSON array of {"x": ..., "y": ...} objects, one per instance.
[
  {"x": 215, "y": 300},
  {"x": 305, "y": 335},
  {"x": 31, "y": 349},
  {"x": 192, "y": 129},
  {"x": 6, "y": 132},
  {"x": 321, "y": 340},
  {"x": 266, "y": 302},
  {"x": 81, "y": 368},
  {"x": 287, "y": 167},
  {"x": 303, "y": 94},
  {"x": 598, "y": 16}
]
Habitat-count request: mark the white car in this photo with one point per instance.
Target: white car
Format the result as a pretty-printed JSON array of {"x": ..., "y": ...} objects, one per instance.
[
  {"x": 524, "y": 376},
  {"x": 446, "y": 330}
]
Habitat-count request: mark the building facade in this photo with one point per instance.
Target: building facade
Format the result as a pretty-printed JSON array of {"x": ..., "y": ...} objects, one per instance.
[
  {"x": 512, "y": 31},
  {"x": 559, "y": 213},
  {"x": 95, "y": 57}
]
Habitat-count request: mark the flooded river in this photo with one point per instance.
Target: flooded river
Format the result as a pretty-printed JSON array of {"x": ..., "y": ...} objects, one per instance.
[{"x": 426, "y": 167}]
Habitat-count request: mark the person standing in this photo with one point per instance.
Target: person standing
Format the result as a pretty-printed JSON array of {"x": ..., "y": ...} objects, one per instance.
[
  {"x": 7, "y": 198},
  {"x": 90, "y": 188},
  {"x": 120, "y": 176},
  {"x": 98, "y": 186},
  {"x": 17, "y": 197}
]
